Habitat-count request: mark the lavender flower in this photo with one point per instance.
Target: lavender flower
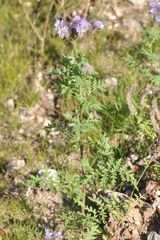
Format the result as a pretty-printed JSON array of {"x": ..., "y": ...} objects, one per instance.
[
  {"x": 52, "y": 235},
  {"x": 81, "y": 25},
  {"x": 155, "y": 9},
  {"x": 78, "y": 24},
  {"x": 97, "y": 24},
  {"x": 62, "y": 28}
]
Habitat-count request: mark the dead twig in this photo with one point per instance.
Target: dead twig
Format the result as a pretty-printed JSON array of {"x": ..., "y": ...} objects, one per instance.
[
  {"x": 87, "y": 8},
  {"x": 30, "y": 22},
  {"x": 42, "y": 38},
  {"x": 46, "y": 25},
  {"x": 144, "y": 95}
]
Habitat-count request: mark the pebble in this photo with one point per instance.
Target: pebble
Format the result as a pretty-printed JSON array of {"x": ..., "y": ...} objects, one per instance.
[
  {"x": 133, "y": 28},
  {"x": 15, "y": 165},
  {"x": 21, "y": 131},
  {"x": 46, "y": 122},
  {"x": 54, "y": 133},
  {"x": 88, "y": 68},
  {"x": 139, "y": 3},
  {"x": 149, "y": 157},
  {"x": 153, "y": 236},
  {"x": 51, "y": 173},
  {"x": 134, "y": 157},
  {"x": 10, "y": 104},
  {"x": 119, "y": 11},
  {"x": 111, "y": 82},
  {"x": 40, "y": 119},
  {"x": 49, "y": 94},
  {"x": 140, "y": 163},
  {"x": 42, "y": 133}
]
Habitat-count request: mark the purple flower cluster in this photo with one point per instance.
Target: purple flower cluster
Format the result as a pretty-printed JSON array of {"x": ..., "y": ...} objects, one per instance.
[
  {"x": 80, "y": 25},
  {"x": 97, "y": 24},
  {"x": 155, "y": 9},
  {"x": 52, "y": 235},
  {"x": 62, "y": 28},
  {"x": 77, "y": 24}
]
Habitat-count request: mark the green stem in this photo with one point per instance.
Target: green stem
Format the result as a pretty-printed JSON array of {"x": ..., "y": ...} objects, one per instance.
[
  {"x": 81, "y": 156},
  {"x": 80, "y": 142},
  {"x": 74, "y": 105},
  {"x": 75, "y": 46},
  {"x": 141, "y": 176}
]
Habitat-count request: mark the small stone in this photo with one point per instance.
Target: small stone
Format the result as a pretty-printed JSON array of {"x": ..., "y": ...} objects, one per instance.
[
  {"x": 42, "y": 133},
  {"x": 40, "y": 119},
  {"x": 158, "y": 210},
  {"x": 153, "y": 236},
  {"x": 46, "y": 122},
  {"x": 111, "y": 16},
  {"x": 111, "y": 82},
  {"x": 28, "y": 4},
  {"x": 149, "y": 157},
  {"x": 119, "y": 11},
  {"x": 54, "y": 133},
  {"x": 140, "y": 163},
  {"x": 139, "y": 3},
  {"x": 40, "y": 76},
  {"x": 88, "y": 68},
  {"x": 49, "y": 94},
  {"x": 50, "y": 174},
  {"x": 10, "y": 104},
  {"x": 133, "y": 29},
  {"x": 15, "y": 165},
  {"x": 21, "y": 131},
  {"x": 50, "y": 141},
  {"x": 134, "y": 157},
  {"x": 72, "y": 159}
]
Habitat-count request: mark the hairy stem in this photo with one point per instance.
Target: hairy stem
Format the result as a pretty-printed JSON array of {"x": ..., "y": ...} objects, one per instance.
[
  {"x": 81, "y": 156},
  {"x": 80, "y": 142},
  {"x": 129, "y": 101},
  {"x": 84, "y": 199}
]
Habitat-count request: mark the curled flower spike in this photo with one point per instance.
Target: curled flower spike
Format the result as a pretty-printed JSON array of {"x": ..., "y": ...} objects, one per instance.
[
  {"x": 155, "y": 9},
  {"x": 155, "y": 108},
  {"x": 144, "y": 95},
  {"x": 154, "y": 122},
  {"x": 129, "y": 101}
]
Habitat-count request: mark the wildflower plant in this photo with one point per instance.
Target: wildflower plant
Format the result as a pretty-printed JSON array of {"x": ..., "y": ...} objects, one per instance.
[{"x": 98, "y": 167}]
